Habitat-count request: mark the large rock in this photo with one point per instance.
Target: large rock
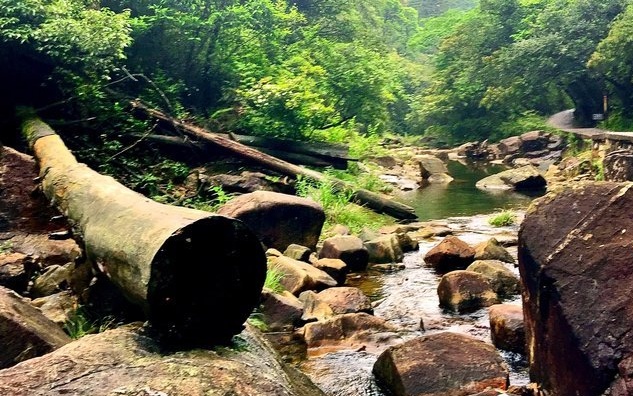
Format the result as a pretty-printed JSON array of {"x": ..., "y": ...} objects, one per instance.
[
  {"x": 442, "y": 364},
  {"x": 348, "y": 248},
  {"x": 618, "y": 165},
  {"x": 506, "y": 327},
  {"x": 524, "y": 178},
  {"x": 58, "y": 307},
  {"x": 15, "y": 270},
  {"x": 344, "y": 300},
  {"x": 125, "y": 361},
  {"x": 299, "y": 276},
  {"x": 465, "y": 291},
  {"x": 433, "y": 169},
  {"x": 281, "y": 311},
  {"x": 503, "y": 281},
  {"x": 509, "y": 146},
  {"x": 336, "y": 268},
  {"x": 349, "y": 331},
  {"x": 54, "y": 279},
  {"x": 384, "y": 249},
  {"x": 575, "y": 264},
  {"x": 492, "y": 250},
  {"x": 534, "y": 141},
  {"x": 24, "y": 332},
  {"x": 449, "y": 255},
  {"x": 278, "y": 219}
]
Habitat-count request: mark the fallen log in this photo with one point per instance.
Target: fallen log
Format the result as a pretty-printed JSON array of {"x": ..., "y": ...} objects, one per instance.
[
  {"x": 374, "y": 201},
  {"x": 196, "y": 275}
]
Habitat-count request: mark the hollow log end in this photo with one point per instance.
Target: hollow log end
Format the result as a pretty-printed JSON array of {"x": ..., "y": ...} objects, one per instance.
[{"x": 205, "y": 281}]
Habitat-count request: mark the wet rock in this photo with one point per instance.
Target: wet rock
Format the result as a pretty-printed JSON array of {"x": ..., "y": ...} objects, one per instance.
[
  {"x": 506, "y": 327},
  {"x": 384, "y": 249},
  {"x": 350, "y": 249},
  {"x": 54, "y": 279},
  {"x": 442, "y": 364},
  {"x": 57, "y": 307},
  {"x": 24, "y": 331},
  {"x": 278, "y": 219},
  {"x": 15, "y": 270},
  {"x": 433, "y": 169},
  {"x": 344, "y": 300},
  {"x": 388, "y": 268},
  {"x": 503, "y": 281},
  {"x": 290, "y": 345},
  {"x": 618, "y": 165},
  {"x": 349, "y": 331},
  {"x": 314, "y": 309},
  {"x": 406, "y": 243},
  {"x": 125, "y": 361},
  {"x": 450, "y": 254},
  {"x": 575, "y": 264},
  {"x": 299, "y": 276},
  {"x": 492, "y": 250},
  {"x": 336, "y": 268},
  {"x": 465, "y": 291},
  {"x": 524, "y": 178},
  {"x": 281, "y": 311},
  {"x": 298, "y": 252}
]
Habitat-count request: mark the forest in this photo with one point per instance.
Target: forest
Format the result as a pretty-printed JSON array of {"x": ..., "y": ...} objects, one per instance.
[{"x": 448, "y": 71}]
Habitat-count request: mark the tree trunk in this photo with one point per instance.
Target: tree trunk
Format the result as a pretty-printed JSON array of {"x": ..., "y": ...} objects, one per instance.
[
  {"x": 374, "y": 201},
  {"x": 196, "y": 275}
]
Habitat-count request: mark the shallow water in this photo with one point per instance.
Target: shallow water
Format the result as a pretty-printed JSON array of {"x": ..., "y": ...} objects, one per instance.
[{"x": 404, "y": 299}]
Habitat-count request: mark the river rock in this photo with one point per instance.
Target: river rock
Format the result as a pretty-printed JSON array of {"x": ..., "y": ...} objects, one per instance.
[
  {"x": 506, "y": 327},
  {"x": 503, "y": 281},
  {"x": 54, "y": 279},
  {"x": 57, "y": 307},
  {"x": 336, "y": 268},
  {"x": 534, "y": 141},
  {"x": 281, "y": 311},
  {"x": 299, "y": 276},
  {"x": 278, "y": 219},
  {"x": 348, "y": 248},
  {"x": 344, "y": 300},
  {"x": 450, "y": 254},
  {"x": 125, "y": 361},
  {"x": 575, "y": 264},
  {"x": 314, "y": 309},
  {"x": 433, "y": 169},
  {"x": 349, "y": 331},
  {"x": 618, "y": 165},
  {"x": 15, "y": 270},
  {"x": 384, "y": 249},
  {"x": 406, "y": 243},
  {"x": 510, "y": 145},
  {"x": 298, "y": 252},
  {"x": 442, "y": 364},
  {"x": 492, "y": 250},
  {"x": 524, "y": 178},
  {"x": 465, "y": 291},
  {"x": 24, "y": 332}
]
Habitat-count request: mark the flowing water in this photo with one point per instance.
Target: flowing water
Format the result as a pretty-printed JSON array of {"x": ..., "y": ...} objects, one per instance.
[{"x": 408, "y": 298}]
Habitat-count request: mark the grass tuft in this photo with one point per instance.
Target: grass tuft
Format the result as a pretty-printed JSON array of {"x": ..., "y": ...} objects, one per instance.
[{"x": 503, "y": 219}]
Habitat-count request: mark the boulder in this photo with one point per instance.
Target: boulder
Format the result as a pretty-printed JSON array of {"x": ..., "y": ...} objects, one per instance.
[
  {"x": 54, "y": 279},
  {"x": 298, "y": 252},
  {"x": 523, "y": 178},
  {"x": 125, "y": 361},
  {"x": 314, "y": 309},
  {"x": 575, "y": 264},
  {"x": 245, "y": 182},
  {"x": 299, "y": 276},
  {"x": 406, "y": 243},
  {"x": 349, "y": 331},
  {"x": 57, "y": 307},
  {"x": 384, "y": 249},
  {"x": 449, "y": 255},
  {"x": 340, "y": 229},
  {"x": 506, "y": 327},
  {"x": 46, "y": 251},
  {"x": 348, "y": 248},
  {"x": 281, "y": 311},
  {"x": 534, "y": 141},
  {"x": 278, "y": 219},
  {"x": 503, "y": 281},
  {"x": 433, "y": 169},
  {"x": 336, "y": 268},
  {"x": 15, "y": 270},
  {"x": 492, "y": 250},
  {"x": 465, "y": 291},
  {"x": 510, "y": 146},
  {"x": 442, "y": 364},
  {"x": 24, "y": 331},
  {"x": 344, "y": 300},
  {"x": 618, "y": 165}
]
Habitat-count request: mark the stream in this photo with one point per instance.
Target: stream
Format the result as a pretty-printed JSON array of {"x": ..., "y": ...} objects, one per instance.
[{"x": 408, "y": 297}]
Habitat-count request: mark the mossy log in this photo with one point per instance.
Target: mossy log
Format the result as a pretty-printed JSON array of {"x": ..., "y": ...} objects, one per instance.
[
  {"x": 377, "y": 202},
  {"x": 196, "y": 275}
]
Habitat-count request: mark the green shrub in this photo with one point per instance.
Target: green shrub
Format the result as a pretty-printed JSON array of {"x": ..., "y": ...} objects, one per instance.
[
  {"x": 503, "y": 219},
  {"x": 273, "y": 280}
]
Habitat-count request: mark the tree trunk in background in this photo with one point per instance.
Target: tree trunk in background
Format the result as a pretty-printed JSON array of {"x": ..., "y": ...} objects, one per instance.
[{"x": 197, "y": 275}]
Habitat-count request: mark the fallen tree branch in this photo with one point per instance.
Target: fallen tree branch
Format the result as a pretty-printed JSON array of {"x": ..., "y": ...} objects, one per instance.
[
  {"x": 377, "y": 202},
  {"x": 196, "y": 275}
]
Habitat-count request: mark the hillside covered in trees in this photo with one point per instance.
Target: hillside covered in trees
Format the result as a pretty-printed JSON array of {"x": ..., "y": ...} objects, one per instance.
[{"x": 321, "y": 70}]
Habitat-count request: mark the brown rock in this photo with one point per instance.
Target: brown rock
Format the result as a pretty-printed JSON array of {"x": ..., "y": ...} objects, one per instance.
[
  {"x": 24, "y": 332},
  {"x": 336, "y": 268},
  {"x": 406, "y": 243},
  {"x": 300, "y": 276},
  {"x": 450, "y": 254},
  {"x": 349, "y": 331},
  {"x": 278, "y": 219},
  {"x": 125, "y": 361},
  {"x": 47, "y": 251},
  {"x": 492, "y": 250},
  {"x": 350, "y": 249},
  {"x": 506, "y": 327},
  {"x": 314, "y": 309},
  {"x": 618, "y": 165},
  {"x": 344, "y": 300},
  {"x": 465, "y": 291},
  {"x": 510, "y": 145},
  {"x": 534, "y": 141},
  {"x": 575, "y": 264},
  {"x": 298, "y": 252},
  {"x": 442, "y": 364},
  {"x": 57, "y": 307},
  {"x": 281, "y": 310},
  {"x": 503, "y": 281},
  {"x": 15, "y": 270},
  {"x": 54, "y": 279},
  {"x": 384, "y": 249}
]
